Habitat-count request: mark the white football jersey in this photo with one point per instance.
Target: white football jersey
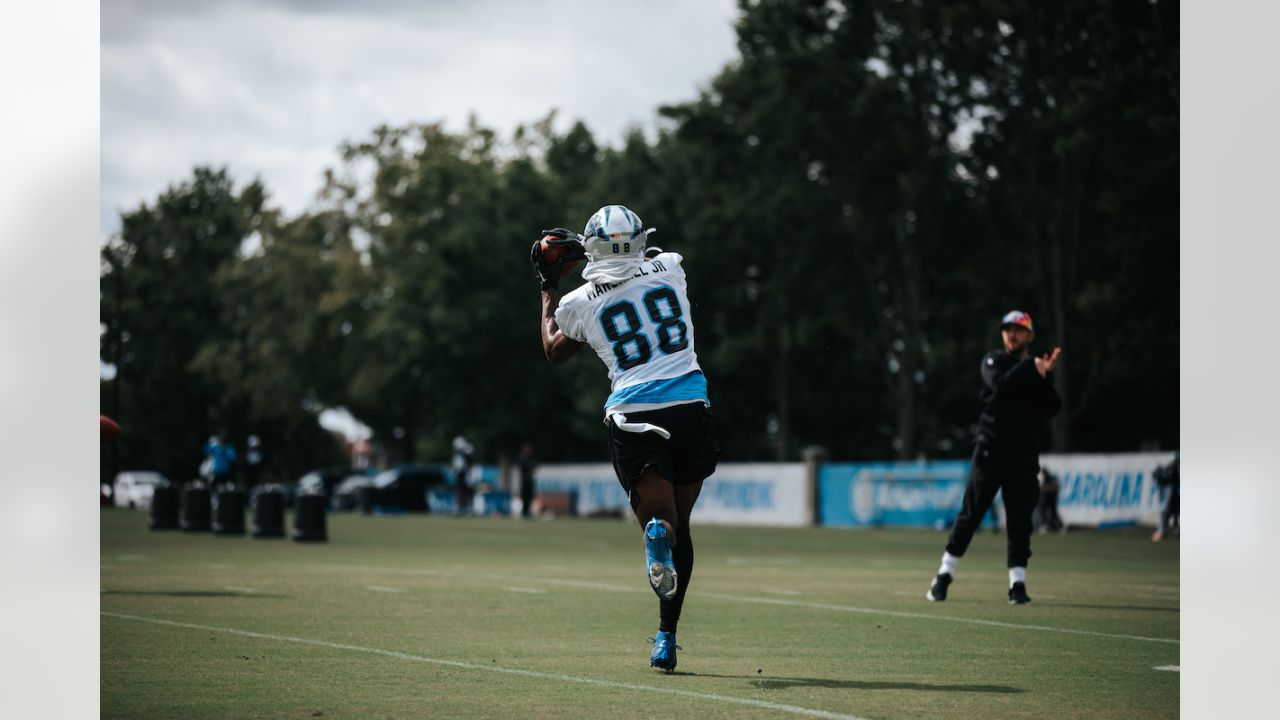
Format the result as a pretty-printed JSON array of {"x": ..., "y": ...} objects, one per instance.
[{"x": 642, "y": 330}]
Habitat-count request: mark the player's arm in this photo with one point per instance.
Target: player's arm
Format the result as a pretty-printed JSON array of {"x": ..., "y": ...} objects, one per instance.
[{"x": 557, "y": 346}]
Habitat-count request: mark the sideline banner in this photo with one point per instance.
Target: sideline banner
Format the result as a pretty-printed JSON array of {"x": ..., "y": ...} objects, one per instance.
[
  {"x": 1108, "y": 490},
  {"x": 1101, "y": 490},
  {"x": 736, "y": 494},
  {"x": 754, "y": 494},
  {"x": 595, "y": 485},
  {"x": 901, "y": 494}
]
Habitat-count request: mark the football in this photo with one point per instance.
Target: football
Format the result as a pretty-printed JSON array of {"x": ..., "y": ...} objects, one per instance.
[
  {"x": 108, "y": 428},
  {"x": 552, "y": 253}
]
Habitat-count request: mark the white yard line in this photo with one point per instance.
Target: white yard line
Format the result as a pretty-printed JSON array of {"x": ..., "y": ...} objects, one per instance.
[
  {"x": 383, "y": 588},
  {"x": 237, "y": 588},
  {"x": 770, "y": 601},
  {"x": 928, "y": 616},
  {"x": 749, "y": 702},
  {"x": 1169, "y": 668},
  {"x": 529, "y": 590}
]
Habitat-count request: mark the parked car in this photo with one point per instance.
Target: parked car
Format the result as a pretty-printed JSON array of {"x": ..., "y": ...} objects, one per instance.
[
  {"x": 405, "y": 487},
  {"x": 134, "y": 488},
  {"x": 346, "y": 492},
  {"x": 402, "y": 488}
]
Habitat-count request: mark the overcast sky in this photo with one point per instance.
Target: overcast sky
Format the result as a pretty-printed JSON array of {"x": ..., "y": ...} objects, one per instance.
[{"x": 270, "y": 88}]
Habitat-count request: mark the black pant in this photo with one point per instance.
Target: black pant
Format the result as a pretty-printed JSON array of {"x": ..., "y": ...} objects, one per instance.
[
  {"x": 1047, "y": 511},
  {"x": 526, "y": 493},
  {"x": 987, "y": 475},
  {"x": 221, "y": 479},
  {"x": 462, "y": 493}
]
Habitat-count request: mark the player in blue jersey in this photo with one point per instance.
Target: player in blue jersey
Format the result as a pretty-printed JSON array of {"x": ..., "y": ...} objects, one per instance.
[{"x": 634, "y": 312}]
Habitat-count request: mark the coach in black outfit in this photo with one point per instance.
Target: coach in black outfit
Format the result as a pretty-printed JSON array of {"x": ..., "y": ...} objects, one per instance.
[{"x": 1017, "y": 398}]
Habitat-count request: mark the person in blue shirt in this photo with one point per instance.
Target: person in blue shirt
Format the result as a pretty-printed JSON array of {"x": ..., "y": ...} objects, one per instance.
[{"x": 222, "y": 458}]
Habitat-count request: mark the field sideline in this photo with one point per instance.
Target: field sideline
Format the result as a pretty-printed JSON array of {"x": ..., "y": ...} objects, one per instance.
[{"x": 427, "y": 616}]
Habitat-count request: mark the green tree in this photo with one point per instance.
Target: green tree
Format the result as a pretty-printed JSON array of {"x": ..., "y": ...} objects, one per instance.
[
  {"x": 857, "y": 197},
  {"x": 160, "y": 304},
  {"x": 1076, "y": 164},
  {"x": 446, "y": 341},
  {"x": 273, "y": 357},
  {"x": 819, "y": 163}
]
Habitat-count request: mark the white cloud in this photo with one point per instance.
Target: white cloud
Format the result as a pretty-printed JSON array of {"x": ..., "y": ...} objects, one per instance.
[{"x": 271, "y": 89}]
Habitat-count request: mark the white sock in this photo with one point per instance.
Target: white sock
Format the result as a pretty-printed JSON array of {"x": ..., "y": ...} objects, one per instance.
[
  {"x": 1017, "y": 575},
  {"x": 948, "y": 564}
]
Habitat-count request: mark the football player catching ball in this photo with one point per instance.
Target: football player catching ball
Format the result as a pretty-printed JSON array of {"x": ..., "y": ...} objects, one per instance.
[{"x": 634, "y": 312}]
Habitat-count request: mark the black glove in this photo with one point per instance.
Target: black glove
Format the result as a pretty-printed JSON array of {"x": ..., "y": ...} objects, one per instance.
[
  {"x": 562, "y": 234},
  {"x": 548, "y": 273}
]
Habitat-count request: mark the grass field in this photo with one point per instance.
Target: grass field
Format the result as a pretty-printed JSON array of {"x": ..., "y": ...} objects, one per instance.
[{"x": 426, "y": 616}]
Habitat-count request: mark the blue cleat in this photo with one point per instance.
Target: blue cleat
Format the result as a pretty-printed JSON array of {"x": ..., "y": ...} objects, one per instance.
[
  {"x": 657, "y": 551},
  {"x": 663, "y": 656}
]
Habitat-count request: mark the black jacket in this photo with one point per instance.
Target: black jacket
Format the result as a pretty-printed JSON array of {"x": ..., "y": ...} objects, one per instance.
[{"x": 1016, "y": 404}]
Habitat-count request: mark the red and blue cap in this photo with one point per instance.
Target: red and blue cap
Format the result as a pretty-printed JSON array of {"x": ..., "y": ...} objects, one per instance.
[{"x": 1016, "y": 317}]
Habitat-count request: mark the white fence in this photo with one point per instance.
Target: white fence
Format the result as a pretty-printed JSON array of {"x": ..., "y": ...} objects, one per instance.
[
  {"x": 736, "y": 494},
  {"x": 1112, "y": 489}
]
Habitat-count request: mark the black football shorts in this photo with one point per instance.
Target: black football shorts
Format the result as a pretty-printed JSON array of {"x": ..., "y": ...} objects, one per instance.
[{"x": 688, "y": 457}]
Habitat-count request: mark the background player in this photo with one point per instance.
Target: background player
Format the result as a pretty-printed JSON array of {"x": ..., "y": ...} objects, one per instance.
[{"x": 634, "y": 312}]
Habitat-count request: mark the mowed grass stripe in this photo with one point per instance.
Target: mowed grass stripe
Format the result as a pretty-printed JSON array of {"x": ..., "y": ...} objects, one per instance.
[
  {"x": 758, "y": 600},
  {"x": 763, "y": 704}
]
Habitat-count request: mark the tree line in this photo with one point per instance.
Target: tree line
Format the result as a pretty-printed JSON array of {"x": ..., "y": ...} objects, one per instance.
[{"x": 859, "y": 196}]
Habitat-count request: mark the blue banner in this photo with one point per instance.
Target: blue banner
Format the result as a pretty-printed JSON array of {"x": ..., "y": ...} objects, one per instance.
[{"x": 893, "y": 494}]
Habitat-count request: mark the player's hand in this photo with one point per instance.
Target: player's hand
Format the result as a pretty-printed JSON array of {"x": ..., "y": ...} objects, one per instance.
[
  {"x": 548, "y": 274},
  {"x": 1045, "y": 363},
  {"x": 569, "y": 246}
]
